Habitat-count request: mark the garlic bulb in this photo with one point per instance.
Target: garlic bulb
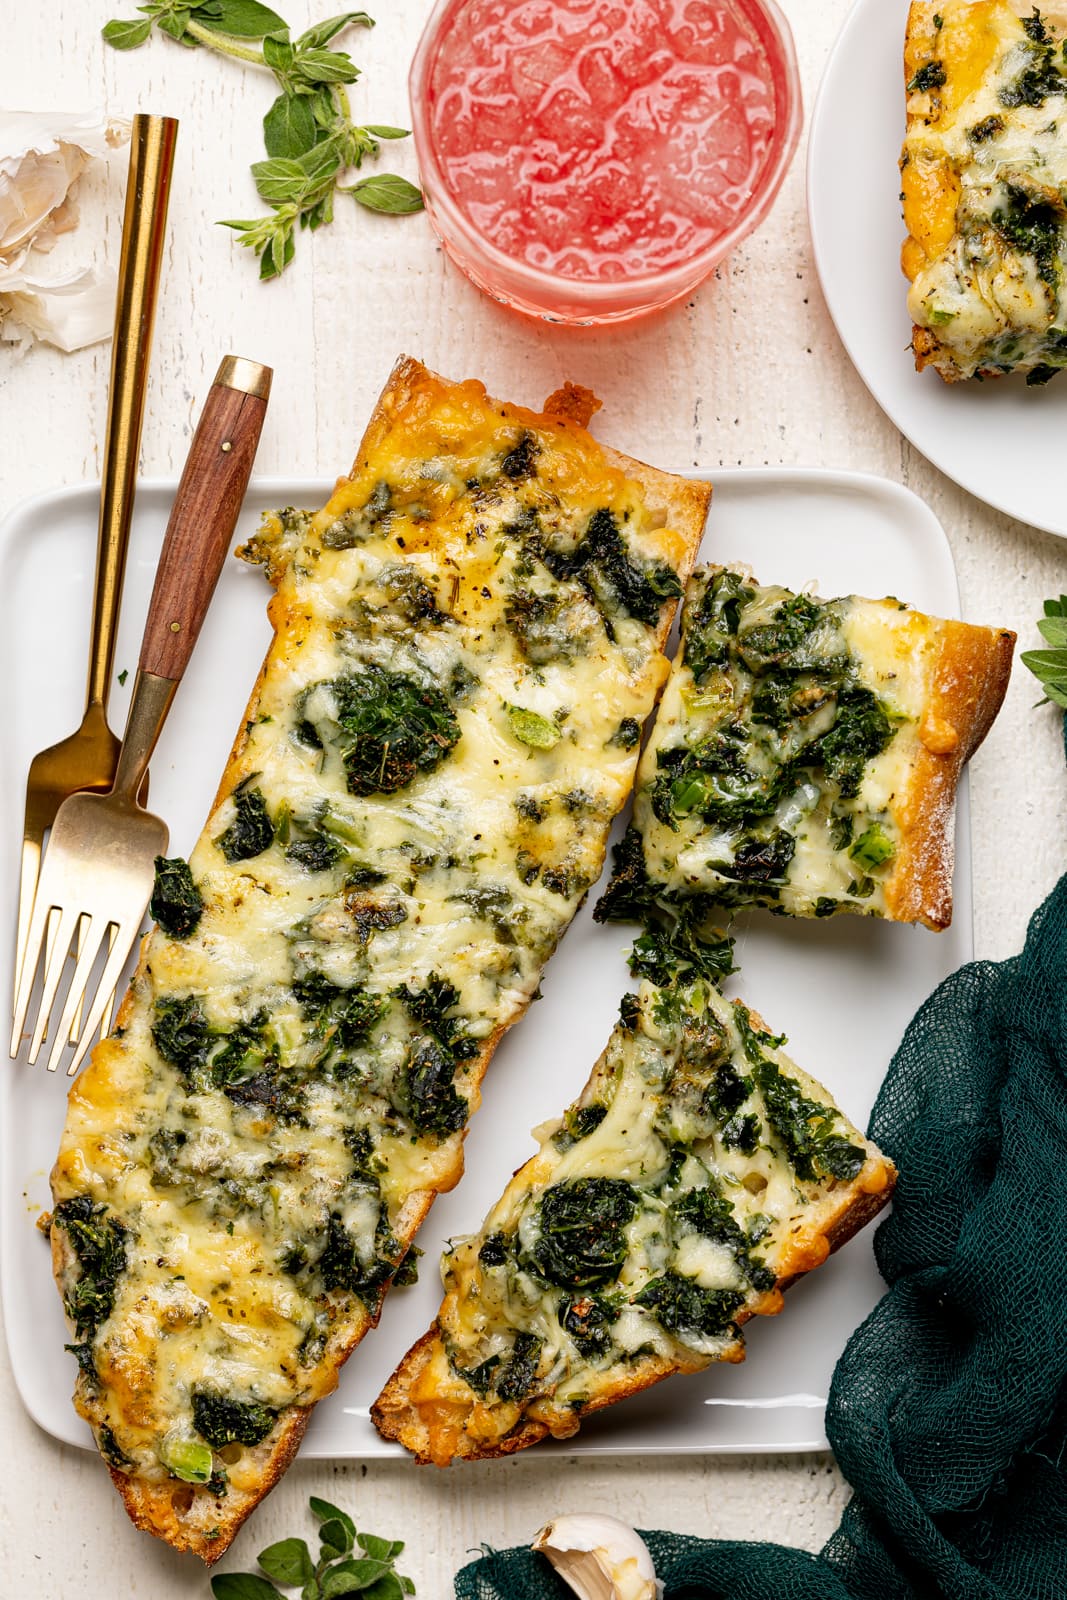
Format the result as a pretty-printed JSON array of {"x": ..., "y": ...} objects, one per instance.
[
  {"x": 41, "y": 159},
  {"x": 599, "y": 1557}
]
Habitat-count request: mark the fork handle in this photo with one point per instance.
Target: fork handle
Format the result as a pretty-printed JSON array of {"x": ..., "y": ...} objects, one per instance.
[
  {"x": 152, "y": 144},
  {"x": 195, "y": 545},
  {"x": 204, "y": 514}
]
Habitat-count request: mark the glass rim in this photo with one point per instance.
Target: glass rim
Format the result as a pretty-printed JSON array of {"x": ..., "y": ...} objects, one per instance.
[{"x": 667, "y": 282}]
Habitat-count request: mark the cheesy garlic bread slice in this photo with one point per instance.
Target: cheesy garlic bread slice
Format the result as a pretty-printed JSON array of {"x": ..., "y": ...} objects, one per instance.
[
  {"x": 984, "y": 187},
  {"x": 700, "y": 1172},
  {"x": 468, "y": 637},
  {"x": 806, "y": 755}
]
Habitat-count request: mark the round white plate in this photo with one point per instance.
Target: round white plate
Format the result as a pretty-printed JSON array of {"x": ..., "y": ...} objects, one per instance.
[{"x": 999, "y": 439}]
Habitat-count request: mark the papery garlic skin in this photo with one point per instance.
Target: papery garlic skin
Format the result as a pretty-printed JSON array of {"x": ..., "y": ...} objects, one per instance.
[
  {"x": 600, "y": 1557},
  {"x": 41, "y": 158},
  {"x": 69, "y": 312}
]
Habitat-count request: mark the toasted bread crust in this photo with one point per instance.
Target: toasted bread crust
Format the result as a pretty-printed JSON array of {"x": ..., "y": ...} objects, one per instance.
[
  {"x": 398, "y": 1420},
  {"x": 187, "y": 1516},
  {"x": 968, "y": 686},
  {"x": 189, "y": 1521}
]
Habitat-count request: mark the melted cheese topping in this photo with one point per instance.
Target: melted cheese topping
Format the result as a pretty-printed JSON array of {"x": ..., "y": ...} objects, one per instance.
[
  {"x": 984, "y": 173},
  {"x": 689, "y": 1094},
  {"x": 826, "y": 840},
  {"x": 289, "y": 1083}
]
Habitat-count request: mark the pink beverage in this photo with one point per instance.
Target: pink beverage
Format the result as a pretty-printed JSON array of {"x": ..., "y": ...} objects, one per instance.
[{"x": 591, "y": 160}]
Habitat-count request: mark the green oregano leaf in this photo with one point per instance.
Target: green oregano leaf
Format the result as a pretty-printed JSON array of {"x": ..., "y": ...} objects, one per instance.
[
  {"x": 127, "y": 35},
  {"x": 322, "y": 32},
  {"x": 352, "y": 1577},
  {"x": 387, "y": 192},
  {"x": 278, "y": 53},
  {"x": 337, "y": 1536},
  {"x": 379, "y": 1549},
  {"x": 281, "y": 178},
  {"x": 321, "y": 161},
  {"x": 1050, "y": 669},
  {"x": 243, "y": 1586},
  {"x": 1053, "y": 625},
  {"x": 389, "y": 1587},
  {"x": 310, "y": 118},
  {"x": 324, "y": 66},
  {"x": 1050, "y": 666},
  {"x": 289, "y": 127},
  {"x": 281, "y": 253},
  {"x": 289, "y": 1561},
  {"x": 330, "y": 1513},
  {"x": 371, "y": 1573},
  {"x": 245, "y": 19}
]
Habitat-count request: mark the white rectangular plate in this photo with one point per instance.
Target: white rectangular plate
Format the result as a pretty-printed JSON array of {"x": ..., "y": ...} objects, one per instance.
[{"x": 843, "y": 989}]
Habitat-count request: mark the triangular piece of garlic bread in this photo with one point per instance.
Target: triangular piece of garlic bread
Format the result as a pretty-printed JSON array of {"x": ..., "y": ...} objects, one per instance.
[{"x": 699, "y": 1173}]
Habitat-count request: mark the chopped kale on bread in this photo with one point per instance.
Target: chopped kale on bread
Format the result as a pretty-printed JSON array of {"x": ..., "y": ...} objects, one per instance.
[
  {"x": 699, "y": 1173},
  {"x": 806, "y": 755}
]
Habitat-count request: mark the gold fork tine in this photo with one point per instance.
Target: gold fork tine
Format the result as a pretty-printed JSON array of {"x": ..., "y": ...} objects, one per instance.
[
  {"x": 40, "y": 919},
  {"x": 51, "y": 929},
  {"x": 75, "y": 1031},
  {"x": 53, "y": 973},
  {"x": 87, "y": 945},
  {"x": 104, "y": 999},
  {"x": 30, "y": 866},
  {"x": 109, "y": 1009},
  {"x": 90, "y": 939}
]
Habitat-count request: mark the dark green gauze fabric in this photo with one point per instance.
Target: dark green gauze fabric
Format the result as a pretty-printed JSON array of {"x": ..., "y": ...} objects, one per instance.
[{"x": 948, "y": 1409}]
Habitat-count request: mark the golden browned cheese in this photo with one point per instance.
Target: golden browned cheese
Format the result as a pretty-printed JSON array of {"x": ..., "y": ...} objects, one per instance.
[{"x": 468, "y": 636}]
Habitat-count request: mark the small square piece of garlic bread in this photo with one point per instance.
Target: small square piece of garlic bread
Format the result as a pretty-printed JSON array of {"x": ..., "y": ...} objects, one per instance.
[
  {"x": 468, "y": 637},
  {"x": 983, "y": 179},
  {"x": 806, "y": 755},
  {"x": 700, "y": 1173}
]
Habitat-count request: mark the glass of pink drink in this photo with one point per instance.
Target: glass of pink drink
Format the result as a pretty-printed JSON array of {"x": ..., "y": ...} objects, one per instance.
[{"x": 589, "y": 161}]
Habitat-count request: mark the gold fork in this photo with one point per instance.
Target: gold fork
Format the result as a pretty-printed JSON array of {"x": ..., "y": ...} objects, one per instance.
[
  {"x": 88, "y": 758},
  {"x": 97, "y": 873}
]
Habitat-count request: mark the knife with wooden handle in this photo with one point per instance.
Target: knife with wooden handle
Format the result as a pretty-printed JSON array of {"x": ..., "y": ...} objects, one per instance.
[{"x": 98, "y": 870}]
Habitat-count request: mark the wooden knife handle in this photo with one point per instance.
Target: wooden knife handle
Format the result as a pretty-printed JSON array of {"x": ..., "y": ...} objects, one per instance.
[{"x": 204, "y": 514}]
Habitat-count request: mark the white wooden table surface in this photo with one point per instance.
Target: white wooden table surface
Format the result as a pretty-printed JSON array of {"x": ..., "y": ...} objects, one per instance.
[{"x": 750, "y": 372}]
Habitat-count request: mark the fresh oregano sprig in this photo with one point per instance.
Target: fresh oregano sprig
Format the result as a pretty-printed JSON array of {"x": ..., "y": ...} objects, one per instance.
[
  {"x": 1050, "y": 666},
  {"x": 309, "y": 134},
  {"x": 349, "y": 1563}
]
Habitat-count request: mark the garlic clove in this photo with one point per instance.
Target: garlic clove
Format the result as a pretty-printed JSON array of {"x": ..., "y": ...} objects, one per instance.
[
  {"x": 68, "y": 312},
  {"x": 41, "y": 158},
  {"x": 599, "y": 1557}
]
